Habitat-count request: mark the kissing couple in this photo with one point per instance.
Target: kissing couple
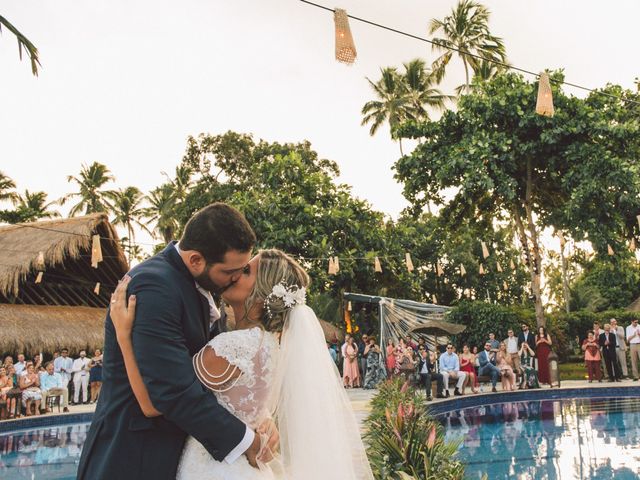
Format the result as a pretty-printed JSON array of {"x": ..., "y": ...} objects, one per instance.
[{"x": 184, "y": 398}]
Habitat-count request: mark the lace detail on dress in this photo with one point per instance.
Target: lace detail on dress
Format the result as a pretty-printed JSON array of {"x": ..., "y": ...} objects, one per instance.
[{"x": 254, "y": 352}]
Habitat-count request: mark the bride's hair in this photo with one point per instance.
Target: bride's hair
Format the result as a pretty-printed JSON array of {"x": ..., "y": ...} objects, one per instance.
[{"x": 275, "y": 267}]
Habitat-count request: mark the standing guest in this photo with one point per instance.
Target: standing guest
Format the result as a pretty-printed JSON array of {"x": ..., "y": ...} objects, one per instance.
[
  {"x": 450, "y": 368},
  {"x": 391, "y": 357},
  {"x": 375, "y": 372},
  {"x": 405, "y": 363},
  {"x": 495, "y": 344},
  {"x": 37, "y": 362},
  {"x": 350, "y": 370},
  {"x": 332, "y": 353},
  {"x": 592, "y": 358},
  {"x": 633, "y": 337},
  {"x": 543, "y": 349},
  {"x": 426, "y": 367},
  {"x": 608, "y": 344},
  {"x": 621, "y": 346},
  {"x": 529, "y": 373},
  {"x": 513, "y": 348},
  {"x": 80, "y": 371},
  {"x": 21, "y": 365},
  {"x": 596, "y": 329},
  {"x": 56, "y": 354},
  {"x": 506, "y": 369},
  {"x": 52, "y": 385},
  {"x": 362, "y": 359},
  {"x": 63, "y": 365},
  {"x": 30, "y": 386},
  {"x": 343, "y": 350},
  {"x": 486, "y": 359},
  {"x": 422, "y": 343},
  {"x": 95, "y": 375},
  {"x": 8, "y": 360},
  {"x": 467, "y": 365}
]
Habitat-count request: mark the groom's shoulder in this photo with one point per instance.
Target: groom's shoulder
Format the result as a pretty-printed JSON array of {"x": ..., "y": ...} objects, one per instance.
[{"x": 157, "y": 270}]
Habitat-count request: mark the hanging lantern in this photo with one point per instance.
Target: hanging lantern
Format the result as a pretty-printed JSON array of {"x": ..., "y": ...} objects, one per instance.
[
  {"x": 463, "y": 271},
  {"x": 435, "y": 299},
  {"x": 332, "y": 267},
  {"x": 336, "y": 264},
  {"x": 345, "y": 48},
  {"x": 498, "y": 267},
  {"x": 485, "y": 250},
  {"x": 376, "y": 265},
  {"x": 505, "y": 286},
  {"x": 609, "y": 249},
  {"x": 407, "y": 260},
  {"x": 512, "y": 264},
  {"x": 638, "y": 217},
  {"x": 481, "y": 270},
  {"x": 632, "y": 245},
  {"x": 439, "y": 270},
  {"x": 96, "y": 251},
  {"x": 40, "y": 261},
  {"x": 561, "y": 237},
  {"x": 96, "y": 290},
  {"x": 39, "y": 277},
  {"x": 544, "y": 105},
  {"x": 349, "y": 306}
]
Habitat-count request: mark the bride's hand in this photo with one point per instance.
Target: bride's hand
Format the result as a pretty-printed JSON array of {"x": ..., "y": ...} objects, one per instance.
[
  {"x": 269, "y": 450},
  {"x": 122, "y": 315}
]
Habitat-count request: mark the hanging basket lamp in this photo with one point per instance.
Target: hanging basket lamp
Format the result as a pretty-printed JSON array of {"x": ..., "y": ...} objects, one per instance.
[{"x": 345, "y": 48}]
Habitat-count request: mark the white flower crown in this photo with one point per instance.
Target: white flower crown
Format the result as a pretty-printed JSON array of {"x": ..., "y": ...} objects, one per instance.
[{"x": 291, "y": 296}]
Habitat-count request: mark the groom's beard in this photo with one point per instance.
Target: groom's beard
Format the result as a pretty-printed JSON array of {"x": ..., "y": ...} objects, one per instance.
[{"x": 205, "y": 282}]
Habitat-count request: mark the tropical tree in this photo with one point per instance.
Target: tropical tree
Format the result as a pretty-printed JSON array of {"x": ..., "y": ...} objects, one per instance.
[
  {"x": 419, "y": 81},
  {"x": 128, "y": 211},
  {"x": 6, "y": 188},
  {"x": 576, "y": 172},
  {"x": 162, "y": 212},
  {"x": 23, "y": 43},
  {"x": 92, "y": 196},
  {"x": 466, "y": 29},
  {"x": 34, "y": 206}
]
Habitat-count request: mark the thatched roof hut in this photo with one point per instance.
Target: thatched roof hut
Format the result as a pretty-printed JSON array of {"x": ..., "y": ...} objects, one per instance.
[
  {"x": 68, "y": 277},
  {"x": 38, "y": 328}
]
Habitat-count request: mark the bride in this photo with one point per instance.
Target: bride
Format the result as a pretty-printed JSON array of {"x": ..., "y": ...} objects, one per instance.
[{"x": 273, "y": 365}]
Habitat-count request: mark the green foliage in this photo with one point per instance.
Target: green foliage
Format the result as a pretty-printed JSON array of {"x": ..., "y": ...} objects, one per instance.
[
  {"x": 404, "y": 442},
  {"x": 482, "y": 318}
]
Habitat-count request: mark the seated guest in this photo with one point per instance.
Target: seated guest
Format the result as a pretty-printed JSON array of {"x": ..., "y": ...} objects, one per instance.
[
  {"x": 30, "y": 386},
  {"x": 529, "y": 373},
  {"x": 426, "y": 367},
  {"x": 467, "y": 365},
  {"x": 6, "y": 384},
  {"x": 592, "y": 358},
  {"x": 502, "y": 362},
  {"x": 8, "y": 360},
  {"x": 450, "y": 368},
  {"x": 52, "y": 385},
  {"x": 375, "y": 372},
  {"x": 487, "y": 367},
  {"x": 14, "y": 394}
]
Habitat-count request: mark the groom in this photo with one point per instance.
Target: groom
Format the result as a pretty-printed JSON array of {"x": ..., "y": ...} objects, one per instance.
[{"x": 175, "y": 314}]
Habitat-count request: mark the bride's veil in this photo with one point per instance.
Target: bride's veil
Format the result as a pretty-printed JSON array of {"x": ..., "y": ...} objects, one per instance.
[{"x": 319, "y": 434}]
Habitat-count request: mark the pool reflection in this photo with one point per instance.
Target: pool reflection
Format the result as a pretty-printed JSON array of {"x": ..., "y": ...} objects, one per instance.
[
  {"x": 562, "y": 439},
  {"x": 44, "y": 453}
]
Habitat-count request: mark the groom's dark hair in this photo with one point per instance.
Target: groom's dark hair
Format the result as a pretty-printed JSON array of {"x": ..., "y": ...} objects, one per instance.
[{"x": 216, "y": 229}]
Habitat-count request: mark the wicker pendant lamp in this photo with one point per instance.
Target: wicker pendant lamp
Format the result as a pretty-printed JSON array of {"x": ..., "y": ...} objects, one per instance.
[
  {"x": 544, "y": 105},
  {"x": 345, "y": 48}
]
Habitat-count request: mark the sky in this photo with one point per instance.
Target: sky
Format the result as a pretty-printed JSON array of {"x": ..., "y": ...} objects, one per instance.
[{"x": 125, "y": 82}]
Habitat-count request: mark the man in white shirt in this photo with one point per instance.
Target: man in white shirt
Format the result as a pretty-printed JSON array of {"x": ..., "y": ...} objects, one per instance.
[
  {"x": 633, "y": 337},
  {"x": 80, "y": 369},
  {"x": 21, "y": 365},
  {"x": 621, "y": 346},
  {"x": 63, "y": 365},
  {"x": 52, "y": 385},
  {"x": 512, "y": 349}
]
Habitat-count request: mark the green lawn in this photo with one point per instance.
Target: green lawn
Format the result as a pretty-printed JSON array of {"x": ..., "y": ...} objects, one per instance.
[{"x": 573, "y": 371}]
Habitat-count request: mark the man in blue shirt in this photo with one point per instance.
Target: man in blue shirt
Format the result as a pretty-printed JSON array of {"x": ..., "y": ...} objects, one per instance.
[
  {"x": 486, "y": 359},
  {"x": 52, "y": 385},
  {"x": 450, "y": 368}
]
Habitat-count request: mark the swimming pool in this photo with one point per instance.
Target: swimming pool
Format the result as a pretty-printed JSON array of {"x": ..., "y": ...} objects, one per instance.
[{"x": 586, "y": 438}]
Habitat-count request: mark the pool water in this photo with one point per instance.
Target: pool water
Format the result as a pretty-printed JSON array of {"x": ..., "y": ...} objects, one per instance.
[
  {"x": 549, "y": 439},
  {"x": 42, "y": 453}
]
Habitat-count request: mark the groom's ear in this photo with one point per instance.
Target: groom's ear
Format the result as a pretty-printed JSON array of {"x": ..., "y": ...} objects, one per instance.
[{"x": 196, "y": 261}]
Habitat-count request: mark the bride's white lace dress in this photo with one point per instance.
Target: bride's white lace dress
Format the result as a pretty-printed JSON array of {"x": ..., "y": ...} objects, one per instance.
[{"x": 255, "y": 353}]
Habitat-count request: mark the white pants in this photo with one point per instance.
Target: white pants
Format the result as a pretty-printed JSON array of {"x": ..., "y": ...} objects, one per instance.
[
  {"x": 80, "y": 380},
  {"x": 622, "y": 359},
  {"x": 460, "y": 375}
]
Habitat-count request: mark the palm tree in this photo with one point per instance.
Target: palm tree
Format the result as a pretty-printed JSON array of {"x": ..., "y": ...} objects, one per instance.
[
  {"x": 23, "y": 42},
  {"x": 34, "y": 206},
  {"x": 394, "y": 104},
  {"x": 467, "y": 30},
  {"x": 90, "y": 182},
  {"x": 483, "y": 71},
  {"x": 6, "y": 187},
  {"x": 128, "y": 212},
  {"x": 419, "y": 83},
  {"x": 162, "y": 211}
]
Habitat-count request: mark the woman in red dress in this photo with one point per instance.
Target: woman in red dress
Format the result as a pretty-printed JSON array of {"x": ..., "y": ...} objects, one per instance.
[
  {"x": 391, "y": 357},
  {"x": 467, "y": 361},
  {"x": 543, "y": 349}
]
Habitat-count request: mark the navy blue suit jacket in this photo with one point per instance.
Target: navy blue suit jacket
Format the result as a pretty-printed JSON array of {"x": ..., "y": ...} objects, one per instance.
[{"x": 171, "y": 325}]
